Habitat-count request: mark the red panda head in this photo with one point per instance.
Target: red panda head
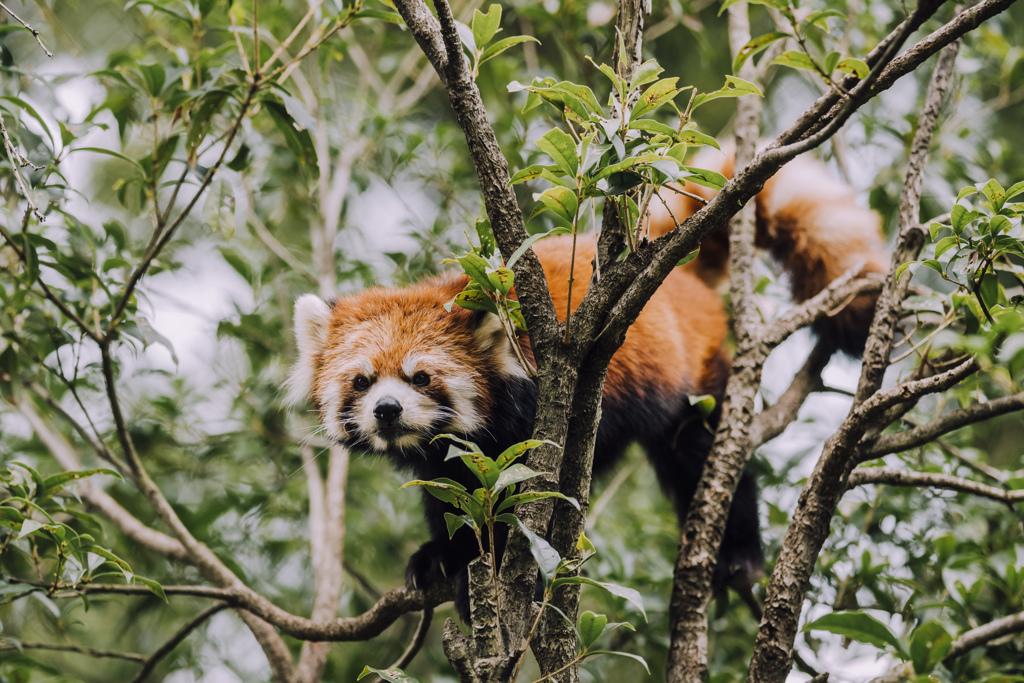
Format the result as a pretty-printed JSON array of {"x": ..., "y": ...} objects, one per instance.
[{"x": 389, "y": 368}]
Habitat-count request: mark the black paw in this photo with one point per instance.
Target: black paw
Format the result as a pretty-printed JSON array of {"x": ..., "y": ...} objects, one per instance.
[
  {"x": 428, "y": 566},
  {"x": 739, "y": 567}
]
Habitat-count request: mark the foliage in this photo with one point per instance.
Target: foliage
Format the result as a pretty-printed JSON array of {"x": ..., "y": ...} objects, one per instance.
[{"x": 147, "y": 131}]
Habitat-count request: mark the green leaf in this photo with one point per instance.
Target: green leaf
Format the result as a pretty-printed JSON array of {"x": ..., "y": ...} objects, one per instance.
[
  {"x": 929, "y": 645},
  {"x": 960, "y": 217},
  {"x": 966, "y": 192},
  {"x": 734, "y": 87},
  {"x": 755, "y": 46},
  {"x": 504, "y": 44},
  {"x": 629, "y": 594},
  {"x": 707, "y": 178},
  {"x": 562, "y": 202},
  {"x": 147, "y": 334},
  {"x": 485, "y": 26},
  {"x": 590, "y": 627},
  {"x": 558, "y": 145},
  {"x": 532, "y": 496},
  {"x": 655, "y": 96},
  {"x": 392, "y": 17},
  {"x": 617, "y": 653},
  {"x": 30, "y": 526},
  {"x": 502, "y": 280},
  {"x": 854, "y": 67},
  {"x": 777, "y": 4},
  {"x": 513, "y": 452},
  {"x": 858, "y": 626},
  {"x": 153, "y": 76},
  {"x": 455, "y": 522},
  {"x": 547, "y": 557},
  {"x": 111, "y": 153},
  {"x": 478, "y": 463},
  {"x": 689, "y": 257},
  {"x": 528, "y": 242},
  {"x": 202, "y": 119},
  {"x": 111, "y": 557},
  {"x": 995, "y": 193},
  {"x": 795, "y": 60},
  {"x": 476, "y": 268},
  {"x": 1014, "y": 190},
  {"x": 693, "y": 137},
  {"x": 299, "y": 141},
  {"x": 390, "y": 675},
  {"x": 53, "y": 483},
  {"x": 944, "y": 245},
  {"x": 473, "y": 301},
  {"x": 652, "y": 126},
  {"x": 819, "y": 19},
  {"x": 513, "y": 475},
  {"x": 645, "y": 73},
  {"x": 830, "y": 62}
]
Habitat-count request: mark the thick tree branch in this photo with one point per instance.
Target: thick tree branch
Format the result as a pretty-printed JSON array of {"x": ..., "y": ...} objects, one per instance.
[{"x": 919, "y": 436}]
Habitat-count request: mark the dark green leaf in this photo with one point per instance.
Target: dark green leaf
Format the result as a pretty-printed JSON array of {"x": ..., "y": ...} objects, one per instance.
[
  {"x": 858, "y": 626},
  {"x": 504, "y": 44},
  {"x": 590, "y": 627}
]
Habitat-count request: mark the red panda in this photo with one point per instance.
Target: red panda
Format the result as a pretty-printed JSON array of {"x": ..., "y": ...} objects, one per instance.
[{"x": 389, "y": 368}]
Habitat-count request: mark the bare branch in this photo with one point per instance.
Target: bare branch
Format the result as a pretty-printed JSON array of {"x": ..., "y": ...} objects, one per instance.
[
  {"x": 827, "y": 302},
  {"x": 787, "y": 588},
  {"x": 771, "y": 422},
  {"x": 24, "y": 23},
  {"x": 918, "y": 436},
  {"x": 175, "y": 640},
  {"x": 68, "y": 647},
  {"x": 896, "y": 477}
]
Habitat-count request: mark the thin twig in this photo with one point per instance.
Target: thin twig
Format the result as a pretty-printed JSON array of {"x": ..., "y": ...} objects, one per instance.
[
  {"x": 896, "y": 477},
  {"x": 175, "y": 640},
  {"x": 68, "y": 647},
  {"x": 24, "y": 23}
]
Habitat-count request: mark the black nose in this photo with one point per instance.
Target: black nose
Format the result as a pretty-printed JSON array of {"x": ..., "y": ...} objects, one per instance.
[{"x": 388, "y": 409}]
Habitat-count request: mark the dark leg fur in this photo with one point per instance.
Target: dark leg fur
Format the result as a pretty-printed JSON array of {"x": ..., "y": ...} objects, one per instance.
[{"x": 678, "y": 459}]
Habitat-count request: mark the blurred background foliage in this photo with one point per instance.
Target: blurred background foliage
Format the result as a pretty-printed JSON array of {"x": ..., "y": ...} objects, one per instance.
[{"x": 351, "y": 173}]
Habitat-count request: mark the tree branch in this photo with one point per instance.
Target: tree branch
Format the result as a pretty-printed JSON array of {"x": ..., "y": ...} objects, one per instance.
[
  {"x": 68, "y": 647},
  {"x": 175, "y": 640},
  {"x": 919, "y": 436},
  {"x": 772, "y": 421},
  {"x": 896, "y": 477}
]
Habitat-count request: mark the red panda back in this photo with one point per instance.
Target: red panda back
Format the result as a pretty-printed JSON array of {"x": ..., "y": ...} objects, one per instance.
[{"x": 676, "y": 344}]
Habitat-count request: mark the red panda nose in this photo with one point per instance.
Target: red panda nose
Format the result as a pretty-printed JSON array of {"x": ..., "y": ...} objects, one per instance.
[{"x": 388, "y": 409}]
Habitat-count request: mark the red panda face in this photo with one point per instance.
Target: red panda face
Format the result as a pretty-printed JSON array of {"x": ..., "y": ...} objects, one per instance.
[{"x": 389, "y": 369}]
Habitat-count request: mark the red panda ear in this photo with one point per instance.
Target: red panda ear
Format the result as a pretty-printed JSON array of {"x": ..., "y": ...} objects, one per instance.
[
  {"x": 312, "y": 321},
  {"x": 492, "y": 341}
]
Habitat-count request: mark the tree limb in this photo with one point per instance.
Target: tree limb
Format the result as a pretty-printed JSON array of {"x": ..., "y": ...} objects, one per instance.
[
  {"x": 896, "y": 477},
  {"x": 919, "y": 436}
]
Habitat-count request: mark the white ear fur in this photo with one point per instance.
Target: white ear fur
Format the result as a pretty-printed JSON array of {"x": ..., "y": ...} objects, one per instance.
[
  {"x": 312, "y": 319},
  {"x": 491, "y": 339}
]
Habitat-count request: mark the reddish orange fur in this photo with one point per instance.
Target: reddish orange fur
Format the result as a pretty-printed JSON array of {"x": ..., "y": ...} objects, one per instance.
[
  {"x": 674, "y": 346},
  {"x": 808, "y": 221}
]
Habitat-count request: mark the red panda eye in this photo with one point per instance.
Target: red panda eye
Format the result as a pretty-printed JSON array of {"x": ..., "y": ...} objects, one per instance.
[
  {"x": 421, "y": 379},
  {"x": 361, "y": 383}
]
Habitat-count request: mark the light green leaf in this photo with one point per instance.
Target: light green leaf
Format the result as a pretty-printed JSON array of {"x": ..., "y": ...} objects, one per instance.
[
  {"x": 562, "y": 202},
  {"x": 558, "y": 145},
  {"x": 796, "y": 60},
  {"x": 513, "y": 475},
  {"x": 515, "y": 451},
  {"x": 528, "y": 242},
  {"x": 590, "y": 627},
  {"x": 655, "y": 96},
  {"x": 819, "y": 19},
  {"x": 629, "y": 594},
  {"x": 504, "y": 44},
  {"x": 689, "y": 257},
  {"x": 734, "y": 87},
  {"x": 755, "y": 46},
  {"x": 389, "y": 675},
  {"x": 995, "y": 193},
  {"x": 485, "y": 26},
  {"x": 854, "y": 67},
  {"x": 617, "y": 653}
]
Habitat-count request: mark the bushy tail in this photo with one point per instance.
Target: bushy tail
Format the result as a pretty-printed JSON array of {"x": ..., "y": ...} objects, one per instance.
[{"x": 809, "y": 222}]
